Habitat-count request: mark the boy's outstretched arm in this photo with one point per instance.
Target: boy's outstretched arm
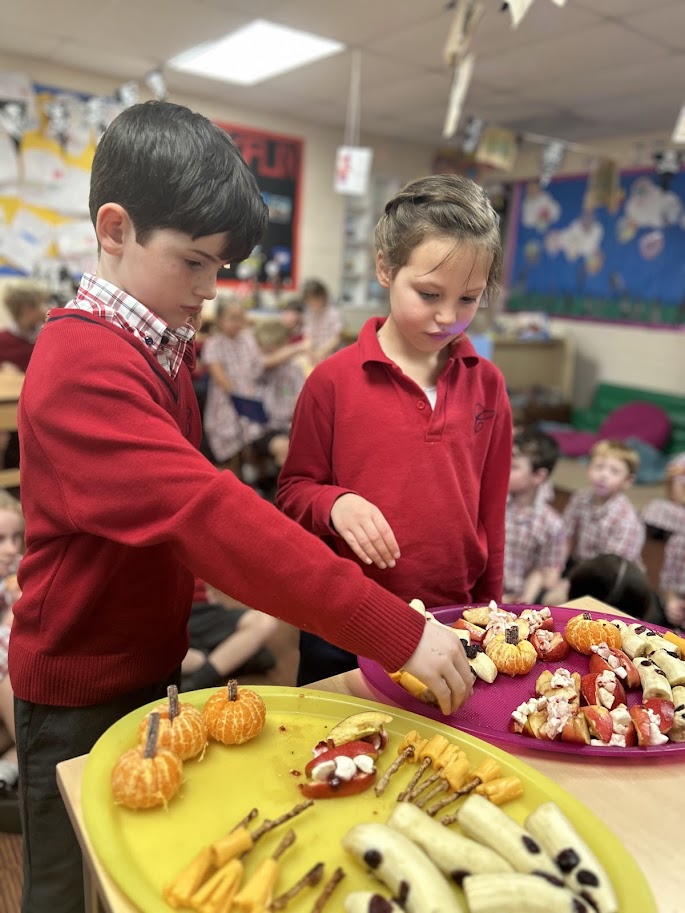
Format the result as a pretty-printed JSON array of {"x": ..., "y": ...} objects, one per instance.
[{"x": 439, "y": 661}]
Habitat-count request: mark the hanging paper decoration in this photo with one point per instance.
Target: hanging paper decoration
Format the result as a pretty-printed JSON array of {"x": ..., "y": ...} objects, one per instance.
[
  {"x": 352, "y": 169},
  {"x": 678, "y": 136},
  {"x": 552, "y": 157},
  {"x": 128, "y": 93},
  {"x": 156, "y": 83},
  {"x": 667, "y": 165},
  {"x": 472, "y": 132},
  {"x": 468, "y": 14},
  {"x": 497, "y": 148},
  {"x": 97, "y": 115},
  {"x": 603, "y": 187},
  {"x": 518, "y": 9},
  {"x": 460, "y": 86},
  {"x": 59, "y": 119}
]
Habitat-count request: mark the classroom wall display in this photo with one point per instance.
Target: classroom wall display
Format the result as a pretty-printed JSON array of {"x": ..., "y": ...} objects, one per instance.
[
  {"x": 276, "y": 162},
  {"x": 620, "y": 262},
  {"x": 47, "y": 141}
]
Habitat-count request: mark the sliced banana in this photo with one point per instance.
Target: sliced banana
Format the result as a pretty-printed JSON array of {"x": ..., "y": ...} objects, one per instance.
[
  {"x": 672, "y": 667},
  {"x": 653, "y": 680},
  {"x": 654, "y": 641},
  {"x": 488, "y": 824},
  {"x": 677, "y": 731},
  {"x": 455, "y": 855},
  {"x": 580, "y": 868},
  {"x": 519, "y": 893},
  {"x": 368, "y": 902},
  {"x": 481, "y": 663},
  {"x": 416, "y": 882},
  {"x": 631, "y": 643}
]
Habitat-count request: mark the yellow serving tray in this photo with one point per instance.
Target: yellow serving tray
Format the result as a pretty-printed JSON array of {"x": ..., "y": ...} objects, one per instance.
[{"x": 143, "y": 850}]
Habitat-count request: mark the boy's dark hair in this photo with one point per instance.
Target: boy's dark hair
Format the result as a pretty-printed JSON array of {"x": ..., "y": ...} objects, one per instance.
[
  {"x": 541, "y": 449},
  {"x": 314, "y": 288},
  {"x": 614, "y": 580},
  {"x": 170, "y": 167}
]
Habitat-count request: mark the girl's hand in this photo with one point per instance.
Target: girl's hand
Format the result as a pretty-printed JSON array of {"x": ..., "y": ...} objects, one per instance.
[
  {"x": 674, "y": 610},
  {"x": 440, "y": 663},
  {"x": 361, "y": 524}
]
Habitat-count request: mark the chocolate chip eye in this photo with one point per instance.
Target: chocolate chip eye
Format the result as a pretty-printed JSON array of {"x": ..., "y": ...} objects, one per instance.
[
  {"x": 458, "y": 875},
  {"x": 530, "y": 844},
  {"x": 588, "y": 878},
  {"x": 567, "y": 860},
  {"x": 373, "y": 858}
]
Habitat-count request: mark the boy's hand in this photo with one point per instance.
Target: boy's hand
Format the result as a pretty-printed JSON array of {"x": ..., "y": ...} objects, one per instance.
[
  {"x": 361, "y": 524},
  {"x": 440, "y": 663}
]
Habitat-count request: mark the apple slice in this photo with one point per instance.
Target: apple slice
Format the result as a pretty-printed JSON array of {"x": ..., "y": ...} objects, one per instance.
[
  {"x": 599, "y": 722},
  {"x": 550, "y": 646},
  {"x": 664, "y": 710},
  {"x": 576, "y": 730},
  {"x": 606, "y": 657},
  {"x": 603, "y": 688},
  {"x": 477, "y": 634}
]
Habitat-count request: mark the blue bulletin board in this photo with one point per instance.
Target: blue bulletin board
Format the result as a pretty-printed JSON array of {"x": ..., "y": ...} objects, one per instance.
[{"x": 621, "y": 266}]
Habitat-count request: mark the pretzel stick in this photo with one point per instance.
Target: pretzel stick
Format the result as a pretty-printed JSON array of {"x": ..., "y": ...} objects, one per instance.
[
  {"x": 406, "y": 755},
  {"x": 287, "y": 841},
  {"x": 329, "y": 887},
  {"x": 269, "y": 825},
  {"x": 406, "y": 793},
  {"x": 246, "y": 820},
  {"x": 309, "y": 879},
  {"x": 447, "y": 800}
]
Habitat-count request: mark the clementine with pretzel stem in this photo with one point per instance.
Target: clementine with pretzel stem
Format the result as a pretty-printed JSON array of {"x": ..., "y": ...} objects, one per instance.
[
  {"x": 234, "y": 715},
  {"x": 583, "y": 632}
]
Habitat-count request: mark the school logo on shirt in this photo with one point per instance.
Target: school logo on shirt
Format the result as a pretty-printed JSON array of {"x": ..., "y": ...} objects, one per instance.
[{"x": 483, "y": 415}]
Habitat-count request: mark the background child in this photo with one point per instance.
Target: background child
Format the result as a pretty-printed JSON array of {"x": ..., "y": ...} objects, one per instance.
[
  {"x": 618, "y": 582},
  {"x": 321, "y": 321},
  {"x": 234, "y": 363},
  {"x": 224, "y": 641},
  {"x": 11, "y": 548},
  {"x": 27, "y": 303},
  {"x": 672, "y": 581},
  {"x": 278, "y": 387},
  {"x": 123, "y": 512},
  {"x": 601, "y": 519},
  {"x": 663, "y": 516},
  {"x": 401, "y": 443},
  {"x": 535, "y": 541}
]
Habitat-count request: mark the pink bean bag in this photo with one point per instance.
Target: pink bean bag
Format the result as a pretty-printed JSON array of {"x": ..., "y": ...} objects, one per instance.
[{"x": 645, "y": 421}]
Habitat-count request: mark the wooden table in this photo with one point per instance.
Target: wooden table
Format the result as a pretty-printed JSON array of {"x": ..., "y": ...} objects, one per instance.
[{"x": 642, "y": 801}]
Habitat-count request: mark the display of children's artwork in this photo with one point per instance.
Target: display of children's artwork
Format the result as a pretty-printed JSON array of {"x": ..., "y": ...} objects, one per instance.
[
  {"x": 619, "y": 262},
  {"x": 47, "y": 143}
]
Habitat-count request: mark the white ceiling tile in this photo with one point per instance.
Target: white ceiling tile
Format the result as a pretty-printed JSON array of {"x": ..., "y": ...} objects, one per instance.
[
  {"x": 544, "y": 20},
  {"x": 666, "y": 24},
  {"x": 592, "y": 65},
  {"x": 566, "y": 57},
  {"x": 621, "y": 8}
]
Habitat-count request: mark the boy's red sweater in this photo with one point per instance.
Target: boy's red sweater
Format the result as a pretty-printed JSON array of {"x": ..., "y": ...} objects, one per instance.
[{"x": 122, "y": 510}]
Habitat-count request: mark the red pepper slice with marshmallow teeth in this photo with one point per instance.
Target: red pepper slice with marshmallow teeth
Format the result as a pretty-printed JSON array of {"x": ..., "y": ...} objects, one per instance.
[{"x": 343, "y": 770}]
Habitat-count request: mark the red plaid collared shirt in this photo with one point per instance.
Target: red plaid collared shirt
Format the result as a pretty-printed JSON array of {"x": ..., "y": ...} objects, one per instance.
[
  {"x": 610, "y": 528},
  {"x": 535, "y": 539},
  {"x": 664, "y": 514},
  {"x": 319, "y": 327},
  {"x": 672, "y": 578},
  {"x": 103, "y": 299}
]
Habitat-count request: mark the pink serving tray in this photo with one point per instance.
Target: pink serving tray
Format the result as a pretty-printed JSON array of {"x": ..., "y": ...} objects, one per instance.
[{"x": 488, "y": 711}]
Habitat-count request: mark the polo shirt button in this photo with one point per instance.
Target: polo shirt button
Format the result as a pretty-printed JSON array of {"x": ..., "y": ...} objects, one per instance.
[
  {"x": 420, "y": 404},
  {"x": 148, "y": 340}
]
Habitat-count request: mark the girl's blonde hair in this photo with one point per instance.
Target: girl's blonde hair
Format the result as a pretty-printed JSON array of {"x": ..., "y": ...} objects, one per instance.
[
  {"x": 22, "y": 293},
  {"x": 444, "y": 205},
  {"x": 9, "y": 503}
]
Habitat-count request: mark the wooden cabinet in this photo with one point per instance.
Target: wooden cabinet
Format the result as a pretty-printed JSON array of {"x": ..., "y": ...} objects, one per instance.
[{"x": 528, "y": 363}]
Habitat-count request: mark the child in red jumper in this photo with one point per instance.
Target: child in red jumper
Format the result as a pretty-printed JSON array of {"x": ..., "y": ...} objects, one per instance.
[
  {"x": 122, "y": 511},
  {"x": 401, "y": 444}
]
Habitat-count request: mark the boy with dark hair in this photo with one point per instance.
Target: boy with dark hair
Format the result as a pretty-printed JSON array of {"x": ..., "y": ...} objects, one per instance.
[
  {"x": 121, "y": 508},
  {"x": 535, "y": 544}
]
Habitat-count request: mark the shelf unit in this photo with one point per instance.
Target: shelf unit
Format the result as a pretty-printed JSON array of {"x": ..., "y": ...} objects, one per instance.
[{"x": 358, "y": 286}]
